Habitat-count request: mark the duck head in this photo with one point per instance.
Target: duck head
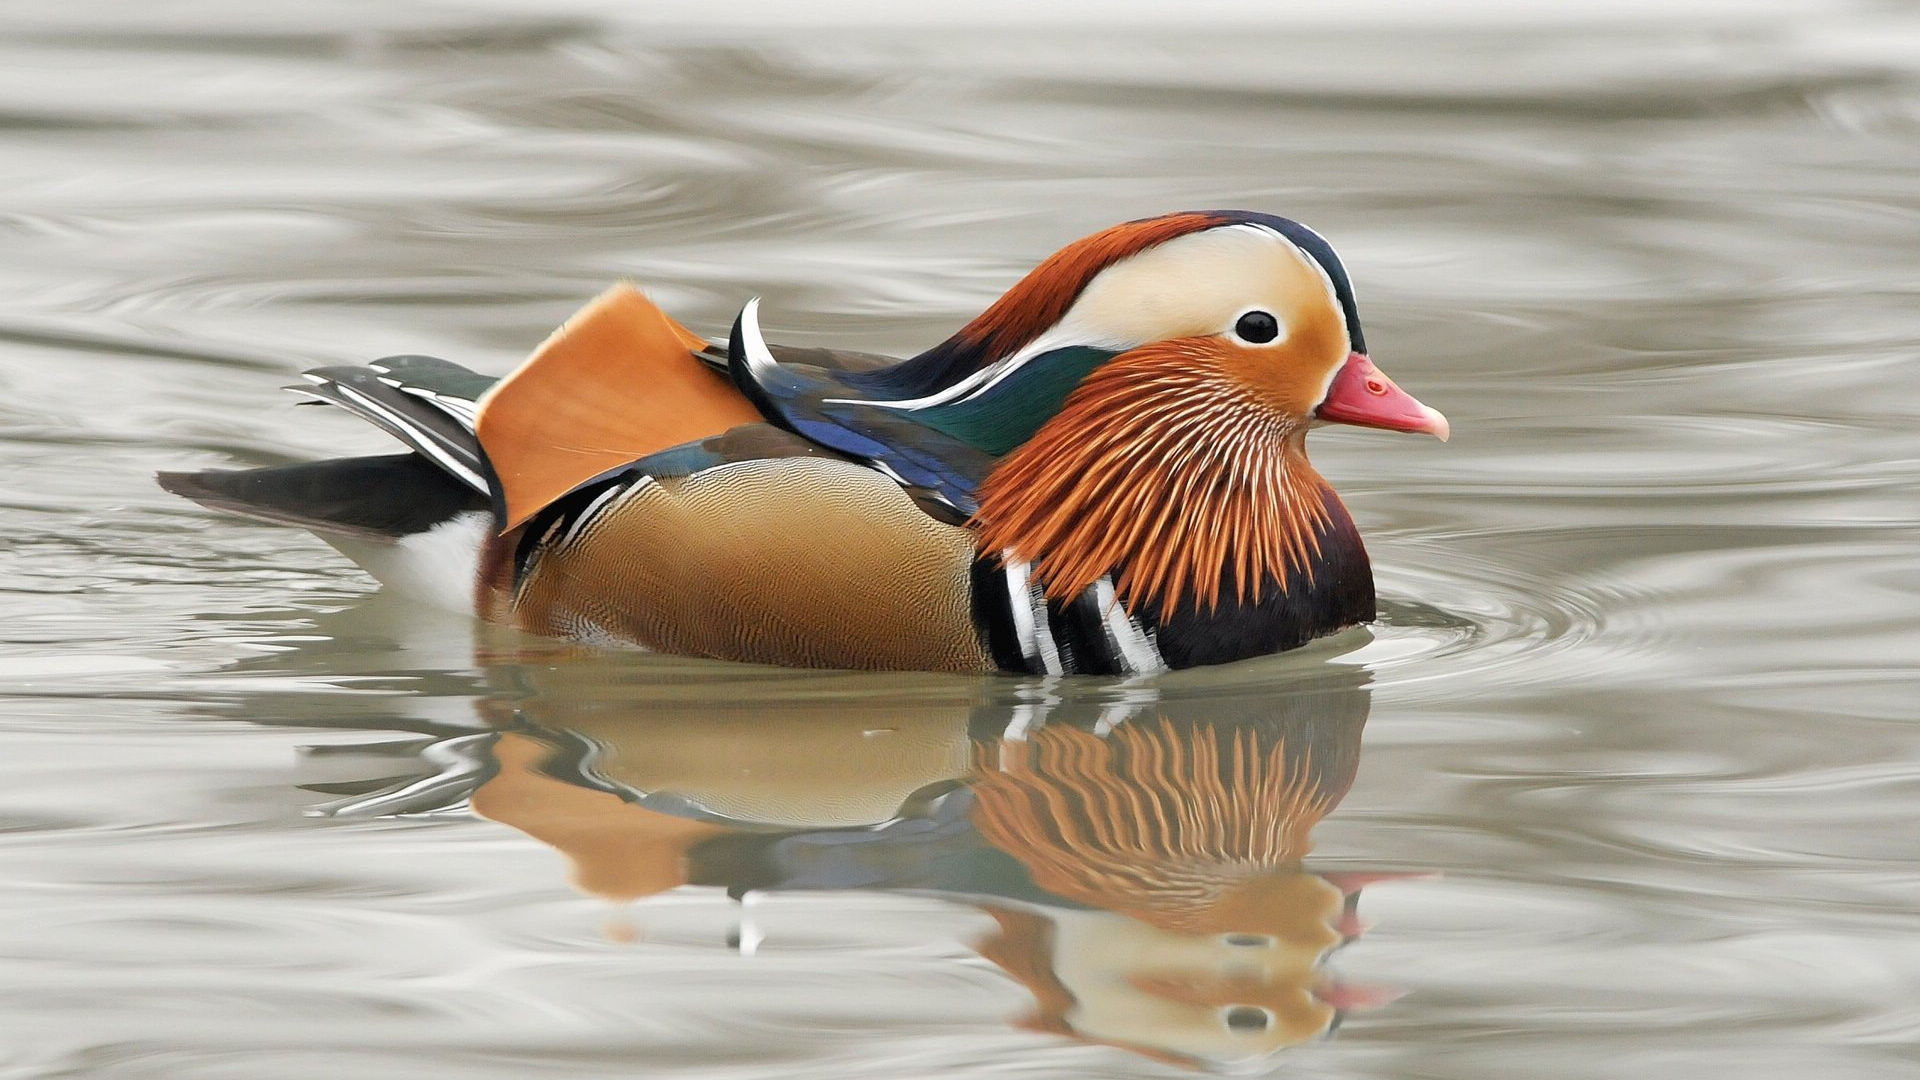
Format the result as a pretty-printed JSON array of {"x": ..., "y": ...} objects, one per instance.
[
  {"x": 1150, "y": 388},
  {"x": 1260, "y": 299}
]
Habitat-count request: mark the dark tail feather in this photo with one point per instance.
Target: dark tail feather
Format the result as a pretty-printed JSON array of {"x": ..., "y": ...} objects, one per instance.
[
  {"x": 375, "y": 498},
  {"x": 438, "y": 426}
]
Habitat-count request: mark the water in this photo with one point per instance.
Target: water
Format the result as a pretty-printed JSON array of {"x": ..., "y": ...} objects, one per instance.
[{"x": 1622, "y": 784}]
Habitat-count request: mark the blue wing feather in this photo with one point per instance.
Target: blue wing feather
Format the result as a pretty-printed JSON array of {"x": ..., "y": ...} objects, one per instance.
[{"x": 796, "y": 396}]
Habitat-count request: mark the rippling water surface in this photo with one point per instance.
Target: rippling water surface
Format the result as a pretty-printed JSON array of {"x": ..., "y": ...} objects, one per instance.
[{"x": 1624, "y": 782}]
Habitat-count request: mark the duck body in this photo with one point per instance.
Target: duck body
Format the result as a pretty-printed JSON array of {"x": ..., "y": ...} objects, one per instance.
[{"x": 1104, "y": 473}]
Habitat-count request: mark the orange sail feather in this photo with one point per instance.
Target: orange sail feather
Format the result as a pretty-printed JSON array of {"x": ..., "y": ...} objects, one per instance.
[{"x": 616, "y": 382}]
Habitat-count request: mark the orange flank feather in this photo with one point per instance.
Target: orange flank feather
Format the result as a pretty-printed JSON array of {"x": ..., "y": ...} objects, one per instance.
[
  {"x": 1168, "y": 469},
  {"x": 1042, "y": 297},
  {"x": 616, "y": 382}
]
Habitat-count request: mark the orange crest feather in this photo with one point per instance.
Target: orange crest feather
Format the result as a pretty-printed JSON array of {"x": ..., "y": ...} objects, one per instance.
[{"x": 1043, "y": 297}]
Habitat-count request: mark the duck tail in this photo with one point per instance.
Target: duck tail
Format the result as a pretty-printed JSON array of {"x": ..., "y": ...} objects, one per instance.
[
  {"x": 402, "y": 518},
  {"x": 368, "y": 498},
  {"x": 415, "y": 521},
  {"x": 426, "y": 403}
]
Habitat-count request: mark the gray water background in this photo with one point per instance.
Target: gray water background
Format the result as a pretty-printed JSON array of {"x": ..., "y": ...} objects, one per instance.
[{"x": 1642, "y": 704}]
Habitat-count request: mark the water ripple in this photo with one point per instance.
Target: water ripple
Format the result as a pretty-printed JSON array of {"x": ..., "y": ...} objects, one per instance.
[{"x": 1641, "y": 687}]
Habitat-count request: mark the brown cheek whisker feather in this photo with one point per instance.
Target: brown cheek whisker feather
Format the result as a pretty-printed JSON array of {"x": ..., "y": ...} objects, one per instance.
[{"x": 1169, "y": 473}]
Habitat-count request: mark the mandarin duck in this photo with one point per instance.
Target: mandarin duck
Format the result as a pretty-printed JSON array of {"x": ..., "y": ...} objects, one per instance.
[{"x": 1103, "y": 473}]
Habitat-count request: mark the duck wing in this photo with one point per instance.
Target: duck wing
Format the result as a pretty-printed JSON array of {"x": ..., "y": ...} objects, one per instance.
[{"x": 809, "y": 400}]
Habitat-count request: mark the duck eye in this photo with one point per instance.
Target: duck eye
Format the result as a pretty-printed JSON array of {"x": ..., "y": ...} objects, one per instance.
[{"x": 1257, "y": 327}]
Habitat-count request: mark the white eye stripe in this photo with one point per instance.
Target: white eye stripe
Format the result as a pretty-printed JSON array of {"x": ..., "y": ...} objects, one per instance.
[
  {"x": 1261, "y": 230},
  {"x": 1174, "y": 289}
]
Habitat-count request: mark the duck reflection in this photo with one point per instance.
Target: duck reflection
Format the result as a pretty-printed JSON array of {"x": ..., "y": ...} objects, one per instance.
[
  {"x": 1138, "y": 849},
  {"x": 1188, "y": 926}
]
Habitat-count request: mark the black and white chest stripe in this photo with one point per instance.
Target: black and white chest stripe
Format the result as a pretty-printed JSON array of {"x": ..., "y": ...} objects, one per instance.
[
  {"x": 1091, "y": 634},
  {"x": 560, "y": 526}
]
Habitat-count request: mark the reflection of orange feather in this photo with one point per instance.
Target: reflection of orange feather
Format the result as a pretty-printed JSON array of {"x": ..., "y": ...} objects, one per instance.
[
  {"x": 617, "y": 382},
  {"x": 618, "y": 850},
  {"x": 1023, "y": 948}
]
